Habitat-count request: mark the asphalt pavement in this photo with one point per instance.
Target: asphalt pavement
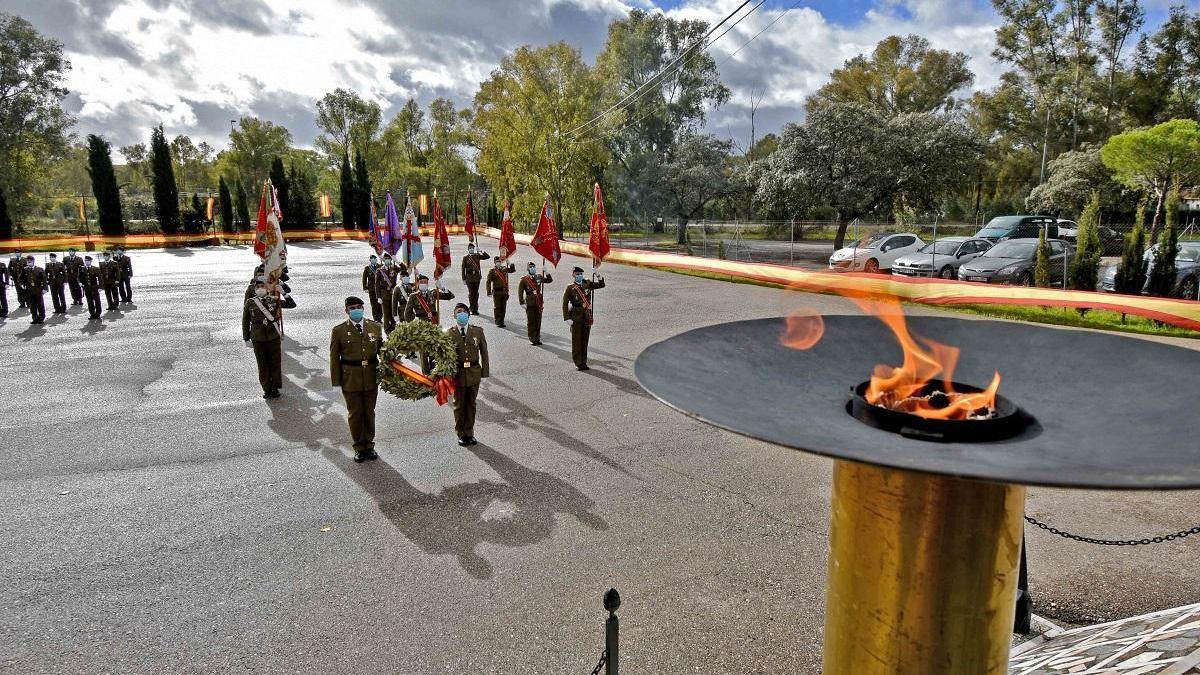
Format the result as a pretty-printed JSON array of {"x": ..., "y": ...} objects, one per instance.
[{"x": 159, "y": 516}]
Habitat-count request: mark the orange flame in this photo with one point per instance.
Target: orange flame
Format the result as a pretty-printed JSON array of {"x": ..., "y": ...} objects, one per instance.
[{"x": 901, "y": 387}]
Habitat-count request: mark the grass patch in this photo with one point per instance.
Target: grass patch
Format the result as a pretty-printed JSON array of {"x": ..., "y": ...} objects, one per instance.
[{"x": 1099, "y": 319}]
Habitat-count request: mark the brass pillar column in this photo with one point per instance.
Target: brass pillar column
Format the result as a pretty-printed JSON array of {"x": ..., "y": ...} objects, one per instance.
[{"x": 922, "y": 573}]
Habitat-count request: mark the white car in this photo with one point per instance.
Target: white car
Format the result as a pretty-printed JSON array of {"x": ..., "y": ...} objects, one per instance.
[
  {"x": 874, "y": 252},
  {"x": 941, "y": 259}
]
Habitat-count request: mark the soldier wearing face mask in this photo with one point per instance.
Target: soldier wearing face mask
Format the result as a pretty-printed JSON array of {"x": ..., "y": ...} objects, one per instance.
[
  {"x": 74, "y": 267},
  {"x": 400, "y": 295},
  {"x": 35, "y": 287},
  {"x": 92, "y": 280},
  {"x": 423, "y": 304},
  {"x": 530, "y": 294},
  {"x": 577, "y": 308},
  {"x": 354, "y": 366},
  {"x": 110, "y": 274},
  {"x": 56, "y": 277},
  {"x": 124, "y": 275},
  {"x": 472, "y": 359},
  {"x": 260, "y": 330},
  {"x": 16, "y": 272},
  {"x": 472, "y": 275},
  {"x": 385, "y": 286},
  {"x": 497, "y": 288},
  {"x": 370, "y": 285}
]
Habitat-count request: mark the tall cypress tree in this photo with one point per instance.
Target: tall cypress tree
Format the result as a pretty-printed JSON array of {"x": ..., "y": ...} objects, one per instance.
[
  {"x": 304, "y": 202},
  {"x": 279, "y": 179},
  {"x": 227, "y": 224},
  {"x": 1041, "y": 270},
  {"x": 166, "y": 192},
  {"x": 6, "y": 223},
  {"x": 243, "y": 211},
  {"x": 104, "y": 186},
  {"x": 1085, "y": 266},
  {"x": 349, "y": 202},
  {"x": 362, "y": 191},
  {"x": 1163, "y": 269}
]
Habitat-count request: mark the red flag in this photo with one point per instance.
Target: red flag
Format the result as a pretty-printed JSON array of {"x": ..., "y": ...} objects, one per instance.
[
  {"x": 598, "y": 244},
  {"x": 268, "y": 241},
  {"x": 508, "y": 241},
  {"x": 470, "y": 215},
  {"x": 441, "y": 241},
  {"x": 545, "y": 239}
]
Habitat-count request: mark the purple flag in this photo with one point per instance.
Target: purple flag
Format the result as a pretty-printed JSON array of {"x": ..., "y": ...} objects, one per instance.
[{"x": 392, "y": 233}]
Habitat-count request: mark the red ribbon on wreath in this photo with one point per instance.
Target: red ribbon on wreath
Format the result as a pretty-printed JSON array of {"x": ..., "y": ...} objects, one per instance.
[{"x": 443, "y": 387}]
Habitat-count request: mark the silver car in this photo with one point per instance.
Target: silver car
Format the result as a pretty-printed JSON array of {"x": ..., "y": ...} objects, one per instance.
[
  {"x": 942, "y": 258},
  {"x": 1187, "y": 271}
]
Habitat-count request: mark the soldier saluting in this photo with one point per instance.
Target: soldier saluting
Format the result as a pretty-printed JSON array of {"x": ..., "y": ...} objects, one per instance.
[
  {"x": 577, "y": 308},
  {"x": 260, "y": 329},
  {"x": 497, "y": 288},
  {"x": 74, "y": 266},
  {"x": 56, "y": 277},
  {"x": 91, "y": 279},
  {"x": 472, "y": 359},
  {"x": 369, "y": 284},
  {"x": 529, "y": 294},
  {"x": 354, "y": 366},
  {"x": 472, "y": 275},
  {"x": 35, "y": 286}
]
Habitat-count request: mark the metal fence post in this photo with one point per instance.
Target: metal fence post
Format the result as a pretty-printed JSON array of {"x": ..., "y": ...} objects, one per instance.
[
  {"x": 612, "y": 631},
  {"x": 1024, "y": 619}
]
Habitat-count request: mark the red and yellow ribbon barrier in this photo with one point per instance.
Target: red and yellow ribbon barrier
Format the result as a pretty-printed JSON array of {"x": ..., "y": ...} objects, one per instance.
[
  {"x": 443, "y": 387},
  {"x": 1181, "y": 313},
  {"x": 99, "y": 242}
]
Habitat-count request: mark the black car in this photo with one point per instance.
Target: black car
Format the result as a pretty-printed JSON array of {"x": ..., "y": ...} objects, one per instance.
[
  {"x": 1111, "y": 241},
  {"x": 1003, "y": 228},
  {"x": 1013, "y": 262}
]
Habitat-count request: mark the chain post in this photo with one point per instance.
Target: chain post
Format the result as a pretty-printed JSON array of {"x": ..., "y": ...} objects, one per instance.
[
  {"x": 612, "y": 631},
  {"x": 1024, "y": 619}
]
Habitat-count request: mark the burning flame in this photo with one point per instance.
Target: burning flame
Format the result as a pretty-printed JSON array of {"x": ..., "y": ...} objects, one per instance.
[{"x": 902, "y": 387}]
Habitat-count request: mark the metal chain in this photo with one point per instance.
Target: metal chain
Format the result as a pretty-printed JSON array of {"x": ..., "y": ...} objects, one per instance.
[
  {"x": 1113, "y": 542},
  {"x": 600, "y": 664}
]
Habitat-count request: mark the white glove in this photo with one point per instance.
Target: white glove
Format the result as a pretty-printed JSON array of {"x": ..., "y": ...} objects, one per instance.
[{"x": 441, "y": 284}]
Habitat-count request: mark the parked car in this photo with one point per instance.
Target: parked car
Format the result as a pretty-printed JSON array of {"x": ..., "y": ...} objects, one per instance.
[
  {"x": 874, "y": 252},
  {"x": 1111, "y": 241},
  {"x": 1003, "y": 228},
  {"x": 942, "y": 258},
  {"x": 1187, "y": 271},
  {"x": 1013, "y": 262}
]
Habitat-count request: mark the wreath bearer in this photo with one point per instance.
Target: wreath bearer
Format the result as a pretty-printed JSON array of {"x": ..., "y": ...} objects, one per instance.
[
  {"x": 471, "y": 365},
  {"x": 354, "y": 366}
]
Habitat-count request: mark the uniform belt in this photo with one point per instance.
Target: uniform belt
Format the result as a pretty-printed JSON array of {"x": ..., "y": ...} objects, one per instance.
[{"x": 360, "y": 364}]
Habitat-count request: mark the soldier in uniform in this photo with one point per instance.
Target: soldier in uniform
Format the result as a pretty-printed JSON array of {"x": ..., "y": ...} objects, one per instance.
[
  {"x": 471, "y": 347},
  {"x": 472, "y": 275},
  {"x": 92, "y": 280},
  {"x": 385, "y": 285},
  {"x": 74, "y": 267},
  {"x": 497, "y": 288},
  {"x": 577, "y": 308},
  {"x": 16, "y": 268},
  {"x": 400, "y": 295},
  {"x": 369, "y": 285},
  {"x": 529, "y": 294},
  {"x": 125, "y": 276},
  {"x": 110, "y": 275},
  {"x": 260, "y": 329},
  {"x": 424, "y": 303},
  {"x": 35, "y": 286},
  {"x": 3, "y": 289},
  {"x": 354, "y": 366},
  {"x": 56, "y": 276}
]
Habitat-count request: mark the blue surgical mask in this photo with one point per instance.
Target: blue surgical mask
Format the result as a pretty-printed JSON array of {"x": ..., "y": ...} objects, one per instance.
[
  {"x": 356, "y": 315},
  {"x": 532, "y": 271},
  {"x": 462, "y": 318},
  {"x": 579, "y": 278}
]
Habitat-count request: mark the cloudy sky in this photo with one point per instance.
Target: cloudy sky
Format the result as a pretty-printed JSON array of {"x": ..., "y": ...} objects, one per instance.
[{"x": 194, "y": 65}]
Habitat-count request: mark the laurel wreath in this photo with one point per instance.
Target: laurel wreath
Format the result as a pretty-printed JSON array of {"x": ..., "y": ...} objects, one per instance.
[{"x": 417, "y": 336}]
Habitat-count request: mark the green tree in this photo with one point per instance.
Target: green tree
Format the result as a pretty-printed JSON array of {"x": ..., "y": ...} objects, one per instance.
[
  {"x": 695, "y": 172},
  {"x": 240, "y": 203},
  {"x": 166, "y": 191},
  {"x": 193, "y": 163},
  {"x": 227, "y": 223},
  {"x": 447, "y": 135},
  {"x": 104, "y": 186},
  {"x": 362, "y": 191},
  {"x": 1041, "y": 270},
  {"x": 279, "y": 180},
  {"x": 1131, "y": 272},
  {"x": 902, "y": 75},
  {"x": 348, "y": 195},
  {"x": 253, "y": 145},
  {"x": 33, "y": 124},
  {"x": 1165, "y": 83},
  {"x": 1085, "y": 266},
  {"x": 834, "y": 161},
  {"x": 522, "y": 117},
  {"x": 348, "y": 121},
  {"x": 194, "y": 219},
  {"x": 302, "y": 194},
  {"x": 1148, "y": 159},
  {"x": 1117, "y": 21},
  {"x": 1163, "y": 268},
  {"x": 1075, "y": 176}
]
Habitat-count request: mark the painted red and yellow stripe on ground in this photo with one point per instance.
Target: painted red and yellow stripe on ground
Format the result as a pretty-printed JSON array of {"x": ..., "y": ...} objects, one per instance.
[
  {"x": 101, "y": 242},
  {"x": 1181, "y": 313}
]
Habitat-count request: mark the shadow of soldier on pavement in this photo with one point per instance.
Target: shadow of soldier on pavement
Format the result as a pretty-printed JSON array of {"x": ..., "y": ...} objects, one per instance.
[
  {"x": 305, "y": 414},
  {"x": 454, "y": 520}
]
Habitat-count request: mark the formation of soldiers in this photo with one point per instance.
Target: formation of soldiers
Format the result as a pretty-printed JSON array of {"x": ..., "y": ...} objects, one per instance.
[
  {"x": 395, "y": 295},
  {"x": 78, "y": 275}
]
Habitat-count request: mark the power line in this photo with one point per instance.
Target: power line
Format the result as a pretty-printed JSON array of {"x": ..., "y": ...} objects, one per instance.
[{"x": 665, "y": 69}]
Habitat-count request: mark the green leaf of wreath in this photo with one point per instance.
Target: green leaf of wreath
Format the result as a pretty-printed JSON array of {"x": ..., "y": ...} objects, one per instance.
[{"x": 421, "y": 337}]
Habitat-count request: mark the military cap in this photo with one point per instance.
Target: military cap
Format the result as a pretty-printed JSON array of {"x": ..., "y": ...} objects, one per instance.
[
  {"x": 463, "y": 307},
  {"x": 577, "y": 270},
  {"x": 353, "y": 301}
]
